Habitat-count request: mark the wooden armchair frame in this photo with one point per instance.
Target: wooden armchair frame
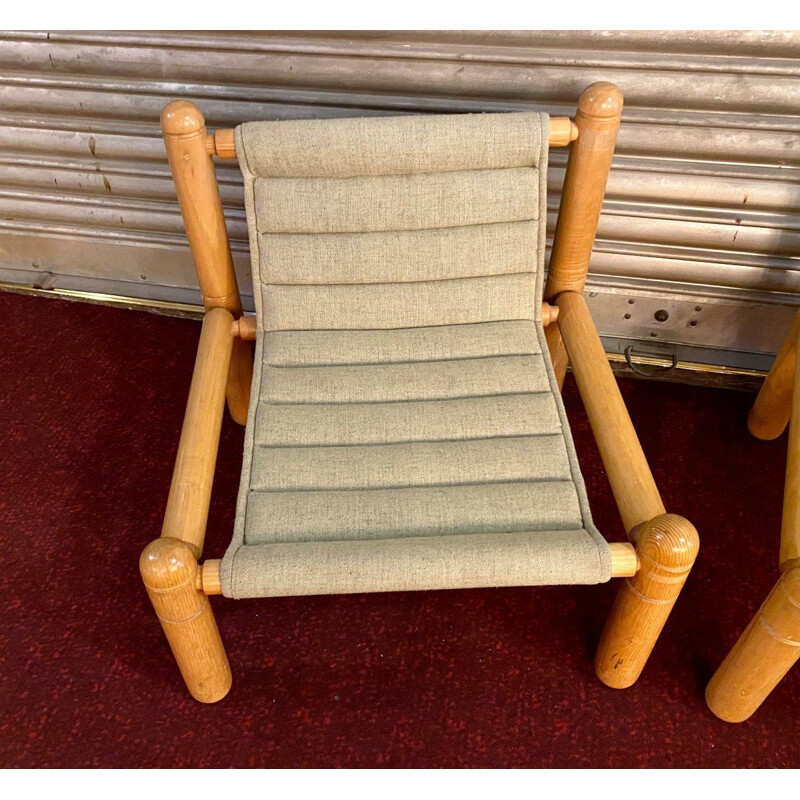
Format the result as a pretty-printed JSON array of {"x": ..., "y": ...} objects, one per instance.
[
  {"x": 770, "y": 645},
  {"x": 655, "y": 563}
]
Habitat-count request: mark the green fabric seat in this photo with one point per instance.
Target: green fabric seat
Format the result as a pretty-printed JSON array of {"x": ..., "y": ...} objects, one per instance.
[{"x": 405, "y": 429}]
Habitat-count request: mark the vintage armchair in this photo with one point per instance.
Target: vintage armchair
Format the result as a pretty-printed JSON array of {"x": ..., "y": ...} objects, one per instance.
[
  {"x": 770, "y": 644},
  {"x": 405, "y": 429}
]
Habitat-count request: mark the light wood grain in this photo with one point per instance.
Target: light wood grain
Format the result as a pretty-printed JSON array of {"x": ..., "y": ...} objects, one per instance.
[
  {"x": 549, "y": 314},
  {"x": 765, "y": 652},
  {"x": 198, "y": 195},
  {"x": 624, "y": 560},
  {"x": 631, "y": 480},
  {"x": 190, "y": 493},
  {"x": 221, "y": 143},
  {"x": 770, "y": 414},
  {"x": 598, "y": 119},
  {"x": 562, "y": 131},
  {"x": 244, "y": 328},
  {"x": 557, "y": 351},
  {"x": 790, "y": 525},
  {"x": 209, "y": 578},
  {"x": 169, "y": 571},
  {"x": 667, "y": 547}
]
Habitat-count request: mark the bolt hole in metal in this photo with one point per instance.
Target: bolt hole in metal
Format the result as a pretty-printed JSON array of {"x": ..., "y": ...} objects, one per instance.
[
  {"x": 627, "y": 316},
  {"x": 661, "y": 315},
  {"x": 631, "y": 302},
  {"x": 693, "y": 323}
]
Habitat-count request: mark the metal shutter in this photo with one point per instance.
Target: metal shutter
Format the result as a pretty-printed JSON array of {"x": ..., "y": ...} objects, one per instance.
[{"x": 701, "y": 217}]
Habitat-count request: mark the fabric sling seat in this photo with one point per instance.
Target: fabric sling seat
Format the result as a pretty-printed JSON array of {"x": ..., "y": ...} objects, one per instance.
[
  {"x": 408, "y": 431},
  {"x": 404, "y": 423}
]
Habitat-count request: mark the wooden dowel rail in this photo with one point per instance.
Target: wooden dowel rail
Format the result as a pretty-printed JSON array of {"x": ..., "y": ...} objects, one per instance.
[
  {"x": 631, "y": 481},
  {"x": 549, "y": 314},
  {"x": 244, "y": 328},
  {"x": 221, "y": 143},
  {"x": 624, "y": 560},
  {"x": 190, "y": 492},
  {"x": 208, "y": 576},
  {"x": 624, "y": 564},
  {"x": 562, "y": 131}
]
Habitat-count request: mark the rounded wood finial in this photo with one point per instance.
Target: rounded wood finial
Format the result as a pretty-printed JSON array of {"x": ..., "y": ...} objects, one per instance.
[
  {"x": 167, "y": 563},
  {"x": 601, "y": 99},
  {"x": 667, "y": 546},
  {"x": 670, "y": 541},
  {"x": 181, "y": 118}
]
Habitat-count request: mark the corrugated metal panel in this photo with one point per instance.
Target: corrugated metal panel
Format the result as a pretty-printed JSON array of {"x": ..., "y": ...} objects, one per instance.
[{"x": 702, "y": 216}]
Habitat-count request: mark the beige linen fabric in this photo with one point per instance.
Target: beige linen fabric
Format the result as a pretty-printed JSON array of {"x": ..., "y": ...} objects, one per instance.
[{"x": 405, "y": 429}]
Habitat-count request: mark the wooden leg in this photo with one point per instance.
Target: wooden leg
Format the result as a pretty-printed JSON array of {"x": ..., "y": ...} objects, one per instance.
[
  {"x": 667, "y": 547},
  {"x": 240, "y": 378},
  {"x": 558, "y": 352},
  {"x": 169, "y": 570},
  {"x": 765, "y": 652},
  {"x": 790, "y": 520},
  {"x": 770, "y": 413}
]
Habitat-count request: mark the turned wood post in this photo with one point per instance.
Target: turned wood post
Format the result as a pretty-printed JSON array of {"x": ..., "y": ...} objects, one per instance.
[
  {"x": 198, "y": 195},
  {"x": 597, "y": 120},
  {"x": 771, "y": 411},
  {"x": 186, "y": 514},
  {"x": 765, "y": 652},
  {"x": 790, "y": 521},
  {"x": 629, "y": 474},
  {"x": 169, "y": 571},
  {"x": 667, "y": 547}
]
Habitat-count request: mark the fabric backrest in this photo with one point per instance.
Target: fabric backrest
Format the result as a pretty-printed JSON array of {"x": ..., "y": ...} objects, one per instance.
[{"x": 396, "y": 222}]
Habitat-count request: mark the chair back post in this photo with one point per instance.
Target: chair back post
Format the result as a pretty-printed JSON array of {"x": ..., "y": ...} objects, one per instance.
[
  {"x": 598, "y": 117},
  {"x": 198, "y": 195},
  {"x": 195, "y": 179}
]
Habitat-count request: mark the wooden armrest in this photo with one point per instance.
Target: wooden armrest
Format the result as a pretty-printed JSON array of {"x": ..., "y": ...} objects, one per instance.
[
  {"x": 631, "y": 481},
  {"x": 190, "y": 492}
]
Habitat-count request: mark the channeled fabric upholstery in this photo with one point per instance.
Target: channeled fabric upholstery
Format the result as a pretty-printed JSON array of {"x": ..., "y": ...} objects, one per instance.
[{"x": 405, "y": 428}]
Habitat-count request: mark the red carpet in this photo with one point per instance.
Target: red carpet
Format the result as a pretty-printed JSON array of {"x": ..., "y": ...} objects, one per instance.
[{"x": 91, "y": 406}]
